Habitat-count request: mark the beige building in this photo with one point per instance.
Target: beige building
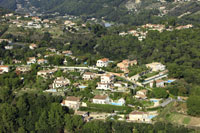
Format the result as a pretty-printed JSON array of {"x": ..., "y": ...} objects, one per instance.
[
  {"x": 156, "y": 66},
  {"x": 141, "y": 94},
  {"x": 46, "y": 73},
  {"x": 42, "y": 61},
  {"x": 23, "y": 69},
  {"x": 60, "y": 82},
  {"x": 125, "y": 64},
  {"x": 88, "y": 76},
  {"x": 71, "y": 102},
  {"x": 139, "y": 116}
]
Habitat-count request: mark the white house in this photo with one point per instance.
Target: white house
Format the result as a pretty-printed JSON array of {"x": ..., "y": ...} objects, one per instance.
[
  {"x": 103, "y": 86},
  {"x": 60, "y": 82},
  {"x": 99, "y": 99},
  {"x": 4, "y": 69},
  {"x": 107, "y": 78},
  {"x": 156, "y": 66},
  {"x": 71, "y": 102},
  {"x": 102, "y": 62},
  {"x": 88, "y": 76},
  {"x": 139, "y": 116}
]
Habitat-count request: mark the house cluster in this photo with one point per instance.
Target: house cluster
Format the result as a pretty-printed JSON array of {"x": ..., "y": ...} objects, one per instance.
[
  {"x": 22, "y": 69},
  {"x": 184, "y": 27},
  {"x": 106, "y": 82},
  {"x": 141, "y": 35},
  {"x": 142, "y": 31},
  {"x": 75, "y": 102},
  {"x": 125, "y": 64},
  {"x": 158, "y": 27},
  {"x": 46, "y": 73},
  {"x": 69, "y": 23},
  {"x": 33, "y": 60}
]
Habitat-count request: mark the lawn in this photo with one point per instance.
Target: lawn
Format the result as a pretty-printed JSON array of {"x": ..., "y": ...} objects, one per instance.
[
  {"x": 186, "y": 120},
  {"x": 151, "y": 74}
]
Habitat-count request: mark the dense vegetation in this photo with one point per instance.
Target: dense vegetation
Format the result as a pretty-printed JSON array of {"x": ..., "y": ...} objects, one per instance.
[
  {"x": 42, "y": 113},
  {"x": 178, "y": 50},
  {"x": 113, "y": 10}
]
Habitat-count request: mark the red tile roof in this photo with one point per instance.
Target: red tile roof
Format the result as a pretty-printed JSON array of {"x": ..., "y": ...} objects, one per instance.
[
  {"x": 100, "y": 97},
  {"x": 105, "y": 59}
]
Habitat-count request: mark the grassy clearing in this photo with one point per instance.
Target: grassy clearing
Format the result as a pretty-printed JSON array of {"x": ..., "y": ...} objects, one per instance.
[{"x": 186, "y": 120}]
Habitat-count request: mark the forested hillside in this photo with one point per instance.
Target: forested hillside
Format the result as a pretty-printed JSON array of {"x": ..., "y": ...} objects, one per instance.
[{"x": 114, "y": 10}]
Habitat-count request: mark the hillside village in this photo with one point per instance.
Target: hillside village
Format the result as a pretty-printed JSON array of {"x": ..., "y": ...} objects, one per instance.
[{"x": 128, "y": 91}]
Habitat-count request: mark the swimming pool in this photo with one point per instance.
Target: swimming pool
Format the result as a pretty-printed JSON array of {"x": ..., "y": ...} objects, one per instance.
[
  {"x": 170, "y": 81},
  {"x": 51, "y": 90},
  {"x": 118, "y": 104},
  {"x": 82, "y": 87},
  {"x": 151, "y": 116},
  {"x": 154, "y": 100}
]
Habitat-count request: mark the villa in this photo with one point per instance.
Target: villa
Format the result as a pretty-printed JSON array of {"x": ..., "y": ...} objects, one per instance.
[
  {"x": 99, "y": 99},
  {"x": 102, "y": 62},
  {"x": 71, "y": 102}
]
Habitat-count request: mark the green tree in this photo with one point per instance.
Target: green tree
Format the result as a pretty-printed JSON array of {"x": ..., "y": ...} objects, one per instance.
[
  {"x": 159, "y": 93},
  {"x": 56, "y": 116},
  {"x": 42, "y": 124},
  {"x": 193, "y": 104}
]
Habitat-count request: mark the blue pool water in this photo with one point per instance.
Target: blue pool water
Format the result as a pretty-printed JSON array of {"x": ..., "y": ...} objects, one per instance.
[
  {"x": 51, "y": 90},
  {"x": 82, "y": 87},
  {"x": 118, "y": 104},
  {"x": 151, "y": 116},
  {"x": 170, "y": 81},
  {"x": 154, "y": 101}
]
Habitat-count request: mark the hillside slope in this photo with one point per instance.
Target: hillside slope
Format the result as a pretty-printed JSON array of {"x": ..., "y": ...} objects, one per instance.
[{"x": 134, "y": 12}]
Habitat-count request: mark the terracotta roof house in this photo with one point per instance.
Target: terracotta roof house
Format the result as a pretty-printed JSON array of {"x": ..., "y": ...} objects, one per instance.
[{"x": 102, "y": 62}]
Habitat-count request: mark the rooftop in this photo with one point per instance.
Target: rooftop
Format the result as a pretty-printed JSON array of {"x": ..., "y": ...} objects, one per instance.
[
  {"x": 100, "y": 97},
  {"x": 104, "y": 59},
  {"x": 72, "y": 98}
]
